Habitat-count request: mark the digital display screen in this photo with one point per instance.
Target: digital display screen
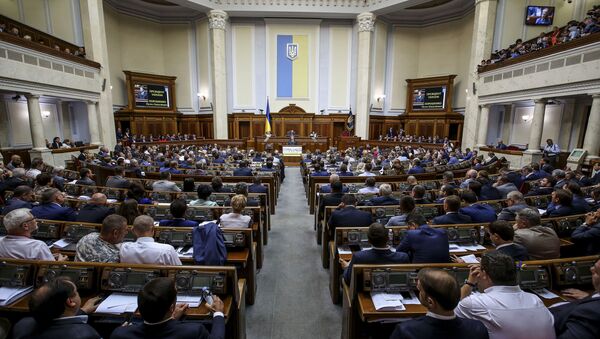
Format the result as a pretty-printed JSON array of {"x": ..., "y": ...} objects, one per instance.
[
  {"x": 464, "y": 232},
  {"x": 151, "y": 96},
  {"x": 429, "y": 98},
  {"x": 527, "y": 276},
  {"x": 201, "y": 281},
  {"x": 539, "y": 15},
  {"x": 364, "y": 236},
  {"x": 229, "y": 237},
  {"x": 71, "y": 274},
  {"x": 7, "y": 272},
  {"x": 398, "y": 279},
  {"x": 177, "y": 236},
  {"x": 583, "y": 271},
  {"x": 136, "y": 279}
]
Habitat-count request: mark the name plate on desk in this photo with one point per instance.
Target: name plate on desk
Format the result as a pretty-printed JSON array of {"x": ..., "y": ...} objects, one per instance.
[{"x": 291, "y": 151}]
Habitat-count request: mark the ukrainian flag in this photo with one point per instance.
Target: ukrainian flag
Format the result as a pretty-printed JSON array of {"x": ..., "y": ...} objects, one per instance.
[
  {"x": 292, "y": 66},
  {"x": 268, "y": 121}
]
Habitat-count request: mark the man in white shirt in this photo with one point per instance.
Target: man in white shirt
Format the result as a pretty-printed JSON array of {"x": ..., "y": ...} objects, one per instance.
[
  {"x": 18, "y": 244},
  {"x": 144, "y": 250},
  {"x": 505, "y": 309},
  {"x": 370, "y": 187}
]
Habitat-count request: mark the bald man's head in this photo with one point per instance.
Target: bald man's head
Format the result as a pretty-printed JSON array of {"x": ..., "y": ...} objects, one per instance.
[{"x": 98, "y": 199}]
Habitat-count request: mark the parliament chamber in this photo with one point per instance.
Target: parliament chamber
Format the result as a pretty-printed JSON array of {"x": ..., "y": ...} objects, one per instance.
[{"x": 300, "y": 169}]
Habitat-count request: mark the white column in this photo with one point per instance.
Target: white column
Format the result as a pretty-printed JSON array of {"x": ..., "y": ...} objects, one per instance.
[
  {"x": 92, "y": 14},
  {"x": 366, "y": 25},
  {"x": 481, "y": 48},
  {"x": 507, "y": 121},
  {"x": 484, "y": 118},
  {"x": 217, "y": 22},
  {"x": 35, "y": 122},
  {"x": 592, "y": 133},
  {"x": 537, "y": 126},
  {"x": 93, "y": 123}
]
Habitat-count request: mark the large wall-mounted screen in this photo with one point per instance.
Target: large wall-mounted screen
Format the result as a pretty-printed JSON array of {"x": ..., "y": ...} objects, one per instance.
[
  {"x": 429, "y": 99},
  {"x": 151, "y": 95}
]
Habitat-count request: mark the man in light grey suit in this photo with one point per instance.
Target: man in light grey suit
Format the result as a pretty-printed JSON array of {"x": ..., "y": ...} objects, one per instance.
[
  {"x": 118, "y": 180},
  {"x": 515, "y": 203},
  {"x": 165, "y": 184},
  {"x": 541, "y": 242}
]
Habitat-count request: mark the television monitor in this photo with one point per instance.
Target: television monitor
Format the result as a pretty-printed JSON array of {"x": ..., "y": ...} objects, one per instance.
[
  {"x": 429, "y": 98},
  {"x": 539, "y": 15},
  {"x": 151, "y": 95}
]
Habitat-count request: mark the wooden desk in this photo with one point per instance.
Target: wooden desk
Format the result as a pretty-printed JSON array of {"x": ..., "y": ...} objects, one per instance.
[{"x": 308, "y": 144}]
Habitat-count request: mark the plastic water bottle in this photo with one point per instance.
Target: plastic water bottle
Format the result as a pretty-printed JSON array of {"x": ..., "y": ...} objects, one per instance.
[
  {"x": 390, "y": 237},
  {"x": 481, "y": 234}
]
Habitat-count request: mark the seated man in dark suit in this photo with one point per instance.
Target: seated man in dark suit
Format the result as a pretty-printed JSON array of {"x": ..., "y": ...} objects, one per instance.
[
  {"x": 118, "y": 180},
  {"x": 561, "y": 204},
  {"x": 416, "y": 168},
  {"x": 580, "y": 318},
  {"x": 85, "y": 177},
  {"x": 318, "y": 172},
  {"x": 177, "y": 209},
  {"x": 95, "y": 210},
  {"x": 332, "y": 199},
  {"x": 327, "y": 188},
  {"x": 580, "y": 205},
  {"x": 157, "y": 304},
  {"x": 242, "y": 188},
  {"x": 587, "y": 236},
  {"x": 242, "y": 170},
  {"x": 385, "y": 197},
  {"x": 418, "y": 193},
  {"x": 477, "y": 212},
  {"x": 348, "y": 216},
  {"x": 57, "y": 313},
  {"x": 18, "y": 179},
  {"x": 545, "y": 187},
  {"x": 515, "y": 203},
  {"x": 424, "y": 244},
  {"x": 51, "y": 208},
  {"x": 343, "y": 172},
  {"x": 22, "y": 198},
  {"x": 257, "y": 186},
  {"x": 502, "y": 234},
  {"x": 452, "y": 216},
  {"x": 379, "y": 254},
  {"x": 439, "y": 293}
]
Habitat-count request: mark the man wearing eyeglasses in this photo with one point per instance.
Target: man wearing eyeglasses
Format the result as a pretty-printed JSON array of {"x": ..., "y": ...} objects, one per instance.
[{"x": 20, "y": 224}]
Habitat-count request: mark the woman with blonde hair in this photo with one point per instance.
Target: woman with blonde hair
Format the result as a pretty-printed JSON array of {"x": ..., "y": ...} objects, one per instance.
[{"x": 235, "y": 218}]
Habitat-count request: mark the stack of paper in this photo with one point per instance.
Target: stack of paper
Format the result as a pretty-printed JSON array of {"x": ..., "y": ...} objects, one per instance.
[
  {"x": 62, "y": 243},
  {"x": 118, "y": 303},
  {"x": 191, "y": 300},
  {"x": 8, "y": 295},
  {"x": 470, "y": 259},
  {"x": 187, "y": 254},
  {"x": 387, "y": 302}
]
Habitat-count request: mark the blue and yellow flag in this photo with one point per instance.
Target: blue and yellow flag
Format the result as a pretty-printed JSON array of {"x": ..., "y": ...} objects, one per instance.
[
  {"x": 292, "y": 66},
  {"x": 350, "y": 121},
  {"x": 268, "y": 121}
]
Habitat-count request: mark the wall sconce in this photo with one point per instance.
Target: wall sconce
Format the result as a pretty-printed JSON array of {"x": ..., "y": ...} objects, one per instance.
[
  {"x": 381, "y": 97},
  {"x": 202, "y": 95},
  {"x": 45, "y": 114},
  {"x": 526, "y": 118}
]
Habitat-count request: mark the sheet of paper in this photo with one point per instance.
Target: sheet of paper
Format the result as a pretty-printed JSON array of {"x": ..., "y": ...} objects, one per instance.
[
  {"x": 344, "y": 250},
  {"x": 473, "y": 247},
  {"x": 387, "y": 302},
  {"x": 62, "y": 243},
  {"x": 541, "y": 211},
  {"x": 118, "y": 303},
  {"x": 8, "y": 295},
  {"x": 470, "y": 259},
  {"x": 457, "y": 249},
  {"x": 544, "y": 293}
]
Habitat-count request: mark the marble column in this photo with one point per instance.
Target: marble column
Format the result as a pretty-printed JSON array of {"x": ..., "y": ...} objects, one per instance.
[
  {"x": 35, "y": 122},
  {"x": 93, "y": 123},
  {"x": 217, "y": 23},
  {"x": 537, "y": 126},
  {"x": 481, "y": 48},
  {"x": 592, "y": 133},
  {"x": 484, "y": 118},
  {"x": 366, "y": 25},
  {"x": 94, "y": 28},
  {"x": 65, "y": 120},
  {"x": 507, "y": 121}
]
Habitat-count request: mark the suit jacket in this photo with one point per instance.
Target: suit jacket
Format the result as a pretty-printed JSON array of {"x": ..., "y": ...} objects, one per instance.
[
  {"x": 580, "y": 205},
  {"x": 349, "y": 216},
  {"x": 489, "y": 192},
  {"x": 59, "y": 182},
  {"x": 60, "y": 328},
  {"x": 428, "y": 327},
  {"x": 416, "y": 170},
  {"x": 578, "y": 319},
  {"x": 505, "y": 189},
  {"x": 479, "y": 213},
  {"x": 11, "y": 183},
  {"x": 510, "y": 213},
  {"x": 540, "y": 191},
  {"x": 178, "y": 223},
  {"x": 541, "y": 242},
  {"x": 452, "y": 218},
  {"x": 516, "y": 251},
  {"x": 53, "y": 211},
  {"x": 165, "y": 186},
  {"x": 332, "y": 199},
  {"x": 172, "y": 329},
  {"x": 375, "y": 256},
  {"x": 94, "y": 213},
  {"x": 257, "y": 189},
  {"x": 327, "y": 189},
  {"x": 345, "y": 174},
  {"x": 588, "y": 237},
  {"x": 117, "y": 182},
  {"x": 426, "y": 245},
  {"x": 559, "y": 211},
  {"x": 14, "y": 204},
  {"x": 382, "y": 201},
  {"x": 242, "y": 172},
  {"x": 85, "y": 181}
]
